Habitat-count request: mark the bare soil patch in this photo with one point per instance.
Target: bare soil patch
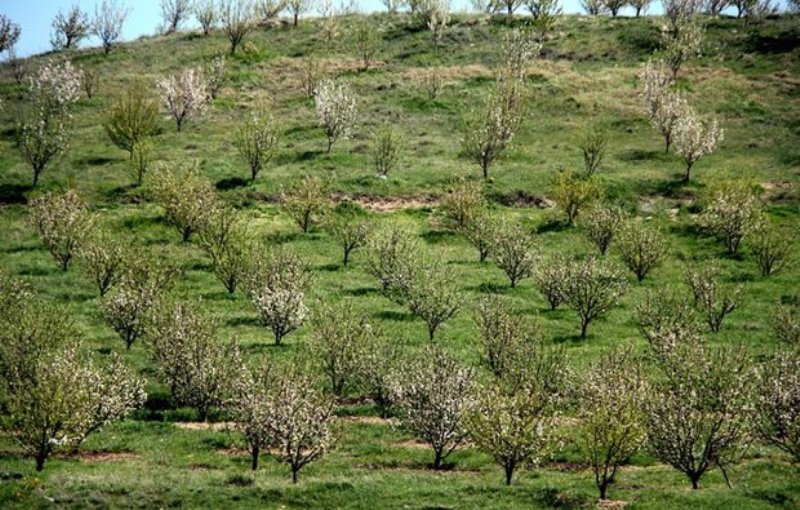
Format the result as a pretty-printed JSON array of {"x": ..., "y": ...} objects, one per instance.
[
  {"x": 98, "y": 456},
  {"x": 388, "y": 204},
  {"x": 199, "y": 425}
]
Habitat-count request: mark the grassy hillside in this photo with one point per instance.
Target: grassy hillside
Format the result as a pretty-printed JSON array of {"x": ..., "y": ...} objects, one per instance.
[{"x": 748, "y": 77}]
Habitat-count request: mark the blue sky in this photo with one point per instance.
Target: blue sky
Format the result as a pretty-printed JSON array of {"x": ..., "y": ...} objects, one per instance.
[{"x": 35, "y": 17}]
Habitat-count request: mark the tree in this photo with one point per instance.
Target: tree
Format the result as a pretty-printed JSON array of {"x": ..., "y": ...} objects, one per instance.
[
  {"x": 283, "y": 413},
  {"x": 187, "y": 198},
  {"x": 348, "y": 229},
  {"x": 432, "y": 296},
  {"x": 173, "y": 13},
  {"x": 510, "y": 5},
  {"x": 90, "y": 81},
  {"x": 480, "y": 231},
  {"x": 184, "y": 95},
  {"x": 227, "y": 241},
  {"x": 183, "y": 341},
  {"x": 305, "y": 201},
  {"x": 462, "y": 204},
  {"x": 593, "y": 7},
  {"x": 778, "y": 402},
  {"x": 733, "y": 212},
  {"x": 504, "y": 336},
  {"x": 132, "y": 118},
  {"x": 611, "y": 395},
  {"x": 296, "y": 8},
  {"x": 593, "y": 143},
  {"x": 490, "y": 132},
  {"x": 572, "y": 192},
  {"x": 713, "y": 299},
  {"x": 392, "y": 258},
  {"x": 367, "y": 40},
  {"x": 215, "y": 76},
  {"x": 9, "y": 33},
  {"x": 63, "y": 222},
  {"x": 270, "y": 9},
  {"x": 666, "y": 320},
  {"x": 52, "y": 397},
  {"x": 614, "y": 6},
  {"x": 715, "y": 7},
  {"x": 601, "y": 224},
  {"x": 109, "y": 16},
  {"x": 682, "y": 34},
  {"x": 592, "y": 288},
  {"x": 336, "y": 110},
  {"x": 140, "y": 160},
  {"x": 545, "y": 14},
  {"x": 640, "y": 6},
  {"x": 69, "y": 29},
  {"x": 550, "y": 277},
  {"x": 341, "y": 335},
  {"x": 277, "y": 285},
  {"x": 512, "y": 251},
  {"x": 387, "y": 144},
  {"x": 207, "y": 15},
  {"x": 434, "y": 397},
  {"x": 238, "y": 19},
  {"x": 786, "y": 322},
  {"x": 772, "y": 248},
  {"x": 257, "y": 141},
  {"x": 311, "y": 76},
  {"x": 435, "y": 15},
  {"x": 103, "y": 259},
  {"x": 694, "y": 138},
  {"x": 329, "y": 22},
  {"x": 641, "y": 248},
  {"x": 18, "y": 67},
  {"x": 698, "y": 414}
]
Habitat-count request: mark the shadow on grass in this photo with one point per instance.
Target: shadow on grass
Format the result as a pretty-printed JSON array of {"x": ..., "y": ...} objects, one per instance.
[
  {"x": 361, "y": 291},
  {"x": 96, "y": 161},
  {"x": 231, "y": 183},
  {"x": 391, "y": 315},
  {"x": 14, "y": 193},
  {"x": 553, "y": 225},
  {"x": 243, "y": 321}
]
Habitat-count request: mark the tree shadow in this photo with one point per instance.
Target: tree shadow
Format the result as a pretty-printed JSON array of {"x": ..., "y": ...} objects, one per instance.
[
  {"x": 361, "y": 291},
  {"x": 231, "y": 183},
  {"x": 391, "y": 315},
  {"x": 14, "y": 193}
]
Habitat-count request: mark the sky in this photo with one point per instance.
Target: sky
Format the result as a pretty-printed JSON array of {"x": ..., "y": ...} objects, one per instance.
[{"x": 35, "y": 18}]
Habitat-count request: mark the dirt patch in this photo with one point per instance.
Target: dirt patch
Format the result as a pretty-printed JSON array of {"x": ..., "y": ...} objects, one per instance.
[
  {"x": 233, "y": 452},
  {"x": 96, "y": 456},
  {"x": 412, "y": 444},
  {"x": 567, "y": 467},
  {"x": 369, "y": 420},
  {"x": 611, "y": 503},
  {"x": 200, "y": 425},
  {"x": 519, "y": 198},
  {"x": 388, "y": 204},
  {"x": 777, "y": 190}
]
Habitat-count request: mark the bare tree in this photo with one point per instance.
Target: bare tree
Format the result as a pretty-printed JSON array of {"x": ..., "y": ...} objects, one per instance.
[
  {"x": 69, "y": 29},
  {"x": 173, "y": 13},
  {"x": 9, "y": 33},
  {"x": 238, "y": 19},
  {"x": 109, "y": 16}
]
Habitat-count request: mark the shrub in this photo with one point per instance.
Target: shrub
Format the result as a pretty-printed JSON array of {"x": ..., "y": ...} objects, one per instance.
[
  {"x": 641, "y": 248},
  {"x": 227, "y": 241},
  {"x": 387, "y": 144},
  {"x": 191, "y": 359},
  {"x": 434, "y": 398},
  {"x": 63, "y": 222},
  {"x": 713, "y": 299},
  {"x": 132, "y": 118},
  {"x": 778, "y": 402},
  {"x": 378, "y": 367},
  {"x": 432, "y": 296},
  {"x": 109, "y": 17},
  {"x": 611, "y": 396},
  {"x": 694, "y": 138},
  {"x": 336, "y": 110},
  {"x": 786, "y": 323},
  {"x": 205, "y": 11},
  {"x": 732, "y": 214},
  {"x": 238, "y": 19},
  {"x": 173, "y": 13},
  {"x": 392, "y": 258},
  {"x": 341, "y": 335},
  {"x": 184, "y": 95},
  {"x": 311, "y": 76},
  {"x": 435, "y": 15},
  {"x": 772, "y": 248},
  {"x": 667, "y": 320},
  {"x": 186, "y": 196},
  {"x": 69, "y": 29},
  {"x": 90, "y": 81},
  {"x": 257, "y": 141},
  {"x": 140, "y": 160},
  {"x": 513, "y": 251},
  {"x": 601, "y": 223},
  {"x": 550, "y": 277},
  {"x": 502, "y": 332},
  {"x": 277, "y": 287},
  {"x": 593, "y": 142},
  {"x": 572, "y": 193},
  {"x": 349, "y": 230},
  {"x": 480, "y": 231},
  {"x": 305, "y": 201},
  {"x": 462, "y": 204},
  {"x": 433, "y": 82},
  {"x": 103, "y": 259},
  {"x": 592, "y": 288},
  {"x": 367, "y": 40},
  {"x": 215, "y": 76}
]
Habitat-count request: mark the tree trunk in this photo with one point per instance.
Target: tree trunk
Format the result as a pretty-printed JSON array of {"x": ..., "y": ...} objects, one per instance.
[
  {"x": 437, "y": 459},
  {"x": 254, "y": 453},
  {"x": 603, "y": 486},
  {"x": 687, "y": 175},
  {"x": 330, "y": 144},
  {"x": 509, "y": 469},
  {"x": 695, "y": 481},
  {"x": 431, "y": 331},
  {"x": 584, "y": 326},
  {"x": 346, "y": 258},
  {"x": 295, "y": 19},
  {"x": 294, "y": 473}
]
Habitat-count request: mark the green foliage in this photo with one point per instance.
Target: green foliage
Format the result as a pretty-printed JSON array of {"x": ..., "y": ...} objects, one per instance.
[{"x": 132, "y": 118}]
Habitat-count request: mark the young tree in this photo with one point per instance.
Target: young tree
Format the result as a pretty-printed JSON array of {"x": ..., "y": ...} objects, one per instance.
[
  {"x": 593, "y": 143},
  {"x": 713, "y": 299},
  {"x": 341, "y": 335},
  {"x": 173, "y": 13},
  {"x": 772, "y": 248},
  {"x": 734, "y": 211},
  {"x": 504, "y": 335},
  {"x": 694, "y": 138},
  {"x": 387, "y": 144},
  {"x": 311, "y": 75},
  {"x": 682, "y": 34},
  {"x": 513, "y": 251},
  {"x": 698, "y": 415},
  {"x": 601, "y": 223},
  {"x": 778, "y": 402},
  {"x": 640, "y": 6},
  {"x": 336, "y": 110},
  {"x": 109, "y": 17},
  {"x": 306, "y": 200},
  {"x": 348, "y": 229},
  {"x": 435, "y": 15},
  {"x": 434, "y": 398},
  {"x": 205, "y": 11},
  {"x": 228, "y": 243},
  {"x": 572, "y": 192},
  {"x": 90, "y": 81},
  {"x": 393, "y": 255},
  {"x": 550, "y": 277},
  {"x": 9, "y": 33},
  {"x": 63, "y": 222},
  {"x": 433, "y": 81},
  {"x": 183, "y": 341},
  {"x": 69, "y": 29},
  {"x": 377, "y": 372},
  {"x": 367, "y": 40},
  {"x": 641, "y": 248},
  {"x": 480, "y": 232},
  {"x": 17, "y": 67},
  {"x": 270, "y": 9},
  {"x": 666, "y": 320},
  {"x": 517, "y": 52},
  {"x": 592, "y": 288},
  {"x": 238, "y": 19},
  {"x": 42, "y": 138},
  {"x": 545, "y": 14},
  {"x": 187, "y": 198},
  {"x": 611, "y": 395},
  {"x": 132, "y": 118},
  {"x": 277, "y": 287},
  {"x": 296, "y": 8},
  {"x": 329, "y": 22},
  {"x": 786, "y": 322},
  {"x": 432, "y": 296},
  {"x": 664, "y": 106},
  {"x": 593, "y": 7},
  {"x": 257, "y": 141},
  {"x": 102, "y": 258},
  {"x": 462, "y": 204},
  {"x": 140, "y": 160},
  {"x": 215, "y": 76},
  {"x": 184, "y": 95}
]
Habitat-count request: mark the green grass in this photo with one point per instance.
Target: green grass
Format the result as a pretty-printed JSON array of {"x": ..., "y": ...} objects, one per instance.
[{"x": 748, "y": 78}]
